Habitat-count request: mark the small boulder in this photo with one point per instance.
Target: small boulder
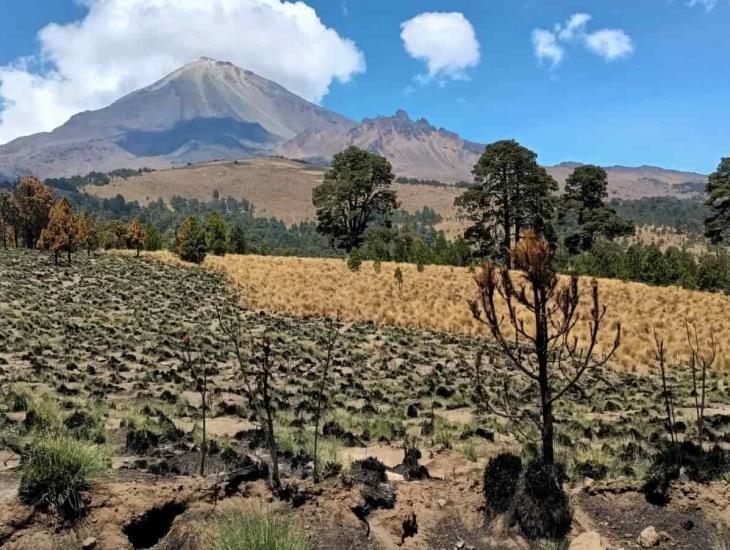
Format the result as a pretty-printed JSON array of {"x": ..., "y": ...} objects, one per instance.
[
  {"x": 88, "y": 543},
  {"x": 588, "y": 541},
  {"x": 649, "y": 537}
]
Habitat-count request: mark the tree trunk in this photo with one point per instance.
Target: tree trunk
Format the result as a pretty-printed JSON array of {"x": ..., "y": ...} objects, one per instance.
[
  {"x": 541, "y": 349},
  {"x": 507, "y": 239},
  {"x": 69, "y": 256},
  {"x": 548, "y": 451},
  {"x": 270, "y": 430},
  {"x": 137, "y": 247},
  {"x": 204, "y": 447}
]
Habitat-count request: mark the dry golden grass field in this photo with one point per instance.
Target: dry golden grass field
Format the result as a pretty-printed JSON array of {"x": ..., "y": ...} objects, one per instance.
[
  {"x": 437, "y": 299},
  {"x": 275, "y": 186}
]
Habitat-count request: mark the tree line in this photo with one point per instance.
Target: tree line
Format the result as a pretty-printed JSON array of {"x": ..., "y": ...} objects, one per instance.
[{"x": 512, "y": 194}]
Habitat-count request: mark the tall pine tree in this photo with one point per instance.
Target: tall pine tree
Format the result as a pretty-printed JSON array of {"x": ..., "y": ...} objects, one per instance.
[{"x": 717, "y": 226}]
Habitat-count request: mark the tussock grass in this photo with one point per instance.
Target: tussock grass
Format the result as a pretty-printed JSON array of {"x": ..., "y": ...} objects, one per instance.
[
  {"x": 56, "y": 469},
  {"x": 436, "y": 299},
  {"x": 256, "y": 530}
]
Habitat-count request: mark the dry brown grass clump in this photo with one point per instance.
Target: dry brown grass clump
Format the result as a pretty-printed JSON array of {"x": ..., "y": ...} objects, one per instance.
[{"x": 437, "y": 299}]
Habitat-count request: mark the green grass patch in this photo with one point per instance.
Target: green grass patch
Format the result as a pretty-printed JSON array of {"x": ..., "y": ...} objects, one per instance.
[
  {"x": 56, "y": 469},
  {"x": 256, "y": 530}
]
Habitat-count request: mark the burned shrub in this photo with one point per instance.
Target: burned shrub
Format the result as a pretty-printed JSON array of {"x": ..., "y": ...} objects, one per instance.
[
  {"x": 142, "y": 440},
  {"x": 501, "y": 477},
  {"x": 410, "y": 469},
  {"x": 247, "y": 469},
  {"x": 379, "y": 495},
  {"x": 369, "y": 471},
  {"x": 541, "y": 506}
]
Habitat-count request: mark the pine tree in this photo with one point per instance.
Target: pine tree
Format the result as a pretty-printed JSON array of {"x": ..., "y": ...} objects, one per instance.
[
  {"x": 9, "y": 221},
  {"x": 215, "y": 234},
  {"x": 153, "y": 239},
  {"x": 33, "y": 201},
  {"x": 88, "y": 235},
  {"x": 61, "y": 233},
  {"x": 190, "y": 241},
  {"x": 356, "y": 189},
  {"x": 511, "y": 193},
  {"x": 585, "y": 192},
  {"x": 136, "y": 235},
  {"x": 237, "y": 240},
  {"x": 717, "y": 226}
]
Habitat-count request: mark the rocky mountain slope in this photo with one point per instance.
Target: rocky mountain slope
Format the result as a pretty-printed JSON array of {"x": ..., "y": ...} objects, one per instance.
[
  {"x": 204, "y": 110},
  {"x": 209, "y": 110},
  {"x": 415, "y": 148}
]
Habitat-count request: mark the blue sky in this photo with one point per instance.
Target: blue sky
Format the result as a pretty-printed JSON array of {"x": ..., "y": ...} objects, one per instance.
[{"x": 663, "y": 99}]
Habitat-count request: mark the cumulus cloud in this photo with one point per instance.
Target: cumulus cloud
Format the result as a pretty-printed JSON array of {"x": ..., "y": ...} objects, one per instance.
[
  {"x": 550, "y": 45},
  {"x": 610, "y": 43},
  {"x": 547, "y": 47},
  {"x": 445, "y": 41},
  {"x": 122, "y": 45}
]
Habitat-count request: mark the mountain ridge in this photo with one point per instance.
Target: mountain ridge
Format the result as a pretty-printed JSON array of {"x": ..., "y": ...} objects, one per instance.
[{"x": 208, "y": 110}]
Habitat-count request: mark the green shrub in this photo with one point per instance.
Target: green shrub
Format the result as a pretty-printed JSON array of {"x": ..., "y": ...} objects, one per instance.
[
  {"x": 354, "y": 260},
  {"x": 56, "y": 469},
  {"x": 190, "y": 241},
  {"x": 256, "y": 530}
]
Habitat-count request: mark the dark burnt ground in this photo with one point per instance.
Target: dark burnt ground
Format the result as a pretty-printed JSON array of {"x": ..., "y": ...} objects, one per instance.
[
  {"x": 623, "y": 517},
  {"x": 450, "y": 531}
]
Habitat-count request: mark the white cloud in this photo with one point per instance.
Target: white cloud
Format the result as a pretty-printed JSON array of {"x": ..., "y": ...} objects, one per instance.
[
  {"x": 445, "y": 41},
  {"x": 122, "y": 45},
  {"x": 709, "y": 5},
  {"x": 575, "y": 25},
  {"x": 610, "y": 44},
  {"x": 547, "y": 47}
]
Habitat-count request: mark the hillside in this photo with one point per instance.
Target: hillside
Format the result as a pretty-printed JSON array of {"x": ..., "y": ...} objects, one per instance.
[
  {"x": 92, "y": 362},
  {"x": 277, "y": 187},
  {"x": 282, "y": 188},
  {"x": 437, "y": 300}
]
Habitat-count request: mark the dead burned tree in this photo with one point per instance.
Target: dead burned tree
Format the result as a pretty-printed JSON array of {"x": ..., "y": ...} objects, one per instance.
[
  {"x": 703, "y": 362},
  {"x": 257, "y": 367},
  {"x": 199, "y": 372},
  {"x": 667, "y": 396},
  {"x": 545, "y": 351},
  {"x": 333, "y": 332}
]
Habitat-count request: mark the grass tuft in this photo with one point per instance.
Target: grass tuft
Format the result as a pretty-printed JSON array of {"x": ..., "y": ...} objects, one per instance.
[
  {"x": 256, "y": 530},
  {"x": 56, "y": 469}
]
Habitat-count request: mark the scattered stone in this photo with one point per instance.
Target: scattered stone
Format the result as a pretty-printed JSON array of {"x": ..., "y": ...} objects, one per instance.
[
  {"x": 649, "y": 537},
  {"x": 88, "y": 543},
  {"x": 588, "y": 541}
]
